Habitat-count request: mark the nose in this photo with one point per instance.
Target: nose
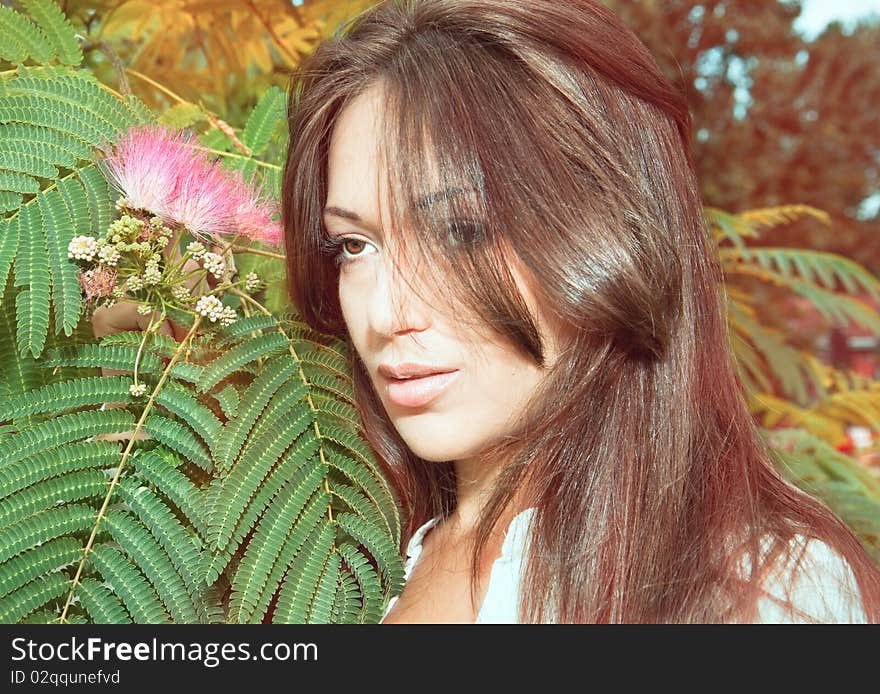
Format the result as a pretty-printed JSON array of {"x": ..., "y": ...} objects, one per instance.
[{"x": 394, "y": 307}]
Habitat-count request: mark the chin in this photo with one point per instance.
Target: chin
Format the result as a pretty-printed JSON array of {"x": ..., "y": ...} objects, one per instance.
[{"x": 432, "y": 444}]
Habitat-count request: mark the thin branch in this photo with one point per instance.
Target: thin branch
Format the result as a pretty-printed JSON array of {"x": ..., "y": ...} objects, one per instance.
[
  {"x": 255, "y": 251},
  {"x": 115, "y": 60},
  {"x": 125, "y": 455},
  {"x": 158, "y": 86},
  {"x": 303, "y": 378}
]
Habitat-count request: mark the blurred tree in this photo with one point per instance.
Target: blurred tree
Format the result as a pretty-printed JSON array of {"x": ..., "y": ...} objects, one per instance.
[
  {"x": 220, "y": 54},
  {"x": 778, "y": 119}
]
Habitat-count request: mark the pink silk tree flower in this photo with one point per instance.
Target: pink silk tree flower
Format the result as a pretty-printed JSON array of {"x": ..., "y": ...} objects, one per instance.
[
  {"x": 97, "y": 283},
  {"x": 204, "y": 201},
  {"x": 163, "y": 173},
  {"x": 145, "y": 165},
  {"x": 254, "y": 216}
]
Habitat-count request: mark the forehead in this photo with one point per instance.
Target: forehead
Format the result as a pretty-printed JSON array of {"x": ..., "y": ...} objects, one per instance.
[{"x": 354, "y": 159}]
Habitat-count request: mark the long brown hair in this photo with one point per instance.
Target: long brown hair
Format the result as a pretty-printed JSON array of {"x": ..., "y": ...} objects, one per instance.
[{"x": 650, "y": 479}]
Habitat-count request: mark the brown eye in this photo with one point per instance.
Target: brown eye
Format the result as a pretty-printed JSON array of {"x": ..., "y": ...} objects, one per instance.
[{"x": 354, "y": 250}]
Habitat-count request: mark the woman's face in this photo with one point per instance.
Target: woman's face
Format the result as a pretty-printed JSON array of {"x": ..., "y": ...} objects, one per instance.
[{"x": 442, "y": 417}]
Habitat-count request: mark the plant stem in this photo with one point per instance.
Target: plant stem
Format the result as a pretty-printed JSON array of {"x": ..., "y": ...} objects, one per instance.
[
  {"x": 256, "y": 251},
  {"x": 233, "y": 155},
  {"x": 158, "y": 86},
  {"x": 125, "y": 455},
  {"x": 302, "y": 376}
]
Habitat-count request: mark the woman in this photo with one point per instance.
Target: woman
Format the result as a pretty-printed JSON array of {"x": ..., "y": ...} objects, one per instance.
[{"x": 502, "y": 191}]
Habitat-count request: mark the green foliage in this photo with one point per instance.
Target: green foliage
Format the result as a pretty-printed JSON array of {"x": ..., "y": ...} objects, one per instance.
[
  {"x": 265, "y": 120},
  {"x": 790, "y": 387},
  {"x": 217, "y": 497},
  {"x": 828, "y": 474},
  {"x": 282, "y": 502}
]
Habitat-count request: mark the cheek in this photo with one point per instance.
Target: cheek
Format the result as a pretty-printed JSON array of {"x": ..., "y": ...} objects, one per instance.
[
  {"x": 348, "y": 304},
  {"x": 505, "y": 383}
]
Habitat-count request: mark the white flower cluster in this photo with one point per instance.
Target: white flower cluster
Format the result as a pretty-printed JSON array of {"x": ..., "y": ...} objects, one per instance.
[
  {"x": 139, "y": 390},
  {"x": 126, "y": 227},
  {"x": 123, "y": 203},
  {"x": 152, "y": 273},
  {"x": 108, "y": 255},
  {"x": 212, "y": 308},
  {"x": 229, "y": 316},
  {"x": 214, "y": 264},
  {"x": 134, "y": 283},
  {"x": 252, "y": 281},
  {"x": 196, "y": 250},
  {"x": 82, "y": 247},
  {"x": 181, "y": 293},
  {"x": 144, "y": 309}
]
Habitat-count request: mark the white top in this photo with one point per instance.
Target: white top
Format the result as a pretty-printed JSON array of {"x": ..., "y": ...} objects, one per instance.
[{"x": 824, "y": 588}]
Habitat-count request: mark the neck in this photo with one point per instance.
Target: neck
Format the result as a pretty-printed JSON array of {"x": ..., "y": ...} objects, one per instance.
[{"x": 475, "y": 481}]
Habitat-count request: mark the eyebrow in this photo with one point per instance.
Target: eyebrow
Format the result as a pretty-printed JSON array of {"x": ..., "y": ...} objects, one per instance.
[{"x": 423, "y": 203}]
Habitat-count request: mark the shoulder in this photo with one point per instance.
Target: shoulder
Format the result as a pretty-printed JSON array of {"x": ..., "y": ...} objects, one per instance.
[{"x": 818, "y": 582}]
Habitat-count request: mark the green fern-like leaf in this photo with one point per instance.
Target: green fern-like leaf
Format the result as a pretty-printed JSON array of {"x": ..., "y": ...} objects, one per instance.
[
  {"x": 243, "y": 327},
  {"x": 56, "y": 397},
  {"x": 18, "y": 182},
  {"x": 370, "y": 587},
  {"x": 333, "y": 385},
  {"x": 228, "y": 399},
  {"x": 66, "y": 100},
  {"x": 178, "y": 400},
  {"x": 57, "y": 29},
  {"x": 174, "y": 485},
  {"x": 25, "y": 159},
  {"x": 32, "y": 272},
  {"x": 47, "y": 463},
  {"x": 304, "y": 576},
  {"x": 321, "y": 606},
  {"x": 245, "y": 478},
  {"x": 59, "y": 230},
  {"x": 359, "y": 503},
  {"x": 181, "y": 548},
  {"x": 151, "y": 558},
  {"x": 65, "y": 429},
  {"x": 32, "y": 563},
  {"x": 98, "y": 356},
  {"x": 376, "y": 488},
  {"x": 31, "y": 596},
  {"x": 266, "y": 549},
  {"x": 8, "y": 247},
  {"x": 239, "y": 356},
  {"x": 293, "y": 459},
  {"x": 179, "y": 438},
  {"x": 379, "y": 545},
  {"x": 257, "y": 396},
  {"x": 74, "y": 486},
  {"x": 9, "y": 200},
  {"x": 265, "y": 119},
  {"x": 102, "y": 604},
  {"x": 335, "y": 413},
  {"x": 44, "y": 526},
  {"x": 52, "y": 146},
  {"x": 99, "y": 195},
  {"x": 21, "y": 39},
  {"x": 139, "y": 597}
]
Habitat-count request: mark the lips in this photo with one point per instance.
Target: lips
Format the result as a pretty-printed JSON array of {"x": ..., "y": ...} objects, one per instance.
[{"x": 419, "y": 391}]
